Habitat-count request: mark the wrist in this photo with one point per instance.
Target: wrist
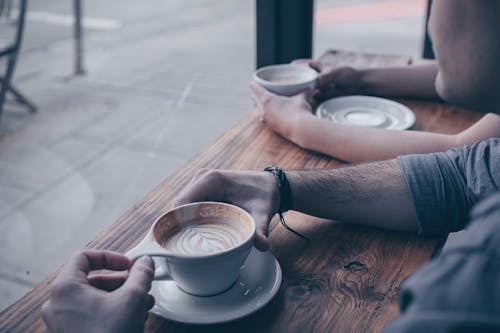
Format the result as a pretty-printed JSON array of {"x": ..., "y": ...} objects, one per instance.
[
  {"x": 299, "y": 131},
  {"x": 310, "y": 133},
  {"x": 285, "y": 197},
  {"x": 349, "y": 80},
  {"x": 273, "y": 191},
  {"x": 356, "y": 81},
  {"x": 282, "y": 196}
]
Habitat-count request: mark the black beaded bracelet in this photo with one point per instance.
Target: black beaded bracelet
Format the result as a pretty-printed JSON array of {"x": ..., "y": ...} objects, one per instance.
[{"x": 285, "y": 197}]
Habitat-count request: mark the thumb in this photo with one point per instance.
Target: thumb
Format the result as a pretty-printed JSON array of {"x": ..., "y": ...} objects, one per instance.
[
  {"x": 326, "y": 80},
  {"x": 262, "y": 231},
  {"x": 316, "y": 65},
  {"x": 141, "y": 275},
  {"x": 259, "y": 91}
]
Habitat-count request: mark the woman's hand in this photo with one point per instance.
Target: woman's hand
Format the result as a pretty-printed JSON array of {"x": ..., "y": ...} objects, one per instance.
[{"x": 283, "y": 115}]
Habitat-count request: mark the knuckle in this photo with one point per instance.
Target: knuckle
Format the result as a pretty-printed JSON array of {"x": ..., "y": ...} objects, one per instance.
[
  {"x": 135, "y": 292},
  {"x": 84, "y": 253},
  {"x": 263, "y": 228},
  {"x": 213, "y": 175},
  {"x": 143, "y": 269},
  {"x": 45, "y": 309},
  {"x": 45, "y": 312},
  {"x": 62, "y": 289},
  {"x": 266, "y": 101},
  {"x": 200, "y": 172}
]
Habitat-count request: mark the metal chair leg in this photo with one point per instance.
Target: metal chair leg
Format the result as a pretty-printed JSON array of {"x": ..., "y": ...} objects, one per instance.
[
  {"x": 5, "y": 83},
  {"x": 9, "y": 7},
  {"x": 11, "y": 62},
  {"x": 22, "y": 99},
  {"x": 78, "y": 33}
]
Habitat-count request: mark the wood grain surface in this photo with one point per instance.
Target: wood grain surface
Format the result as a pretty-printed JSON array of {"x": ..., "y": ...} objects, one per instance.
[{"x": 345, "y": 280}]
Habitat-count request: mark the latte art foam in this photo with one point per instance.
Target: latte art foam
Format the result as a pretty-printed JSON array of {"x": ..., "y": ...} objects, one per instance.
[{"x": 204, "y": 236}]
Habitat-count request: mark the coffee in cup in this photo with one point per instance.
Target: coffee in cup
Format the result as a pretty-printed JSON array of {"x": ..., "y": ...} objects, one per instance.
[
  {"x": 205, "y": 236},
  {"x": 201, "y": 246}
]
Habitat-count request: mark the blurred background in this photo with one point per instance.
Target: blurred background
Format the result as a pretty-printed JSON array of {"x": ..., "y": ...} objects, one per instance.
[{"x": 163, "y": 79}]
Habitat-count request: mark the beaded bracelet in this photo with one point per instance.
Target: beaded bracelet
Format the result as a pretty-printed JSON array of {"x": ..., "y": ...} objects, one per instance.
[{"x": 285, "y": 197}]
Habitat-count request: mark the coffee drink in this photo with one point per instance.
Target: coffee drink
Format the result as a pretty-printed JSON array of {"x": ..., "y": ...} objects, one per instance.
[
  {"x": 204, "y": 236},
  {"x": 285, "y": 80}
]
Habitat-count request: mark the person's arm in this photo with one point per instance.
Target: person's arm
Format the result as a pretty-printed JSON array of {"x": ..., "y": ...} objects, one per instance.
[
  {"x": 431, "y": 193},
  {"x": 413, "y": 81},
  {"x": 372, "y": 194},
  {"x": 444, "y": 186},
  {"x": 291, "y": 118},
  {"x": 355, "y": 144}
]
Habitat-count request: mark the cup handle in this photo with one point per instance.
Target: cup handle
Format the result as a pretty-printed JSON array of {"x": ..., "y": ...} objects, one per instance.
[{"x": 146, "y": 248}]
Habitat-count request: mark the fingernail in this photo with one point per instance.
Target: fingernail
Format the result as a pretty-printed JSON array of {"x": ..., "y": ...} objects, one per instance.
[{"x": 146, "y": 260}]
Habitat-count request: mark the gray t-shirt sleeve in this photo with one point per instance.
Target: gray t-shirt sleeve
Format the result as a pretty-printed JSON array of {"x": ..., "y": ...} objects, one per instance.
[
  {"x": 444, "y": 186},
  {"x": 458, "y": 291}
]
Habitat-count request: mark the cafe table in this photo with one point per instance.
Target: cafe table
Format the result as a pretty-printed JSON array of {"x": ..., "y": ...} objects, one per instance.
[{"x": 346, "y": 279}]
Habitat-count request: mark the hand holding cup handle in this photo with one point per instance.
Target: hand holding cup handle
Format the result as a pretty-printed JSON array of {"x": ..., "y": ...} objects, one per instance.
[
  {"x": 148, "y": 247},
  {"x": 224, "y": 235}
]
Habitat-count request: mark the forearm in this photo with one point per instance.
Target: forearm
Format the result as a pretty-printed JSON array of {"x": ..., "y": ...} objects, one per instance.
[
  {"x": 356, "y": 144},
  {"x": 373, "y": 194},
  {"x": 415, "y": 81}
]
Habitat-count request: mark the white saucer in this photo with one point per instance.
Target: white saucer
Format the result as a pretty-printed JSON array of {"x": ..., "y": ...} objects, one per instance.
[
  {"x": 259, "y": 281},
  {"x": 367, "y": 111}
]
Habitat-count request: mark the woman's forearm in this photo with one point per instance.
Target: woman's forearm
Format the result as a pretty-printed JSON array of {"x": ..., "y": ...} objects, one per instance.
[{"x": 356, "y": 144}]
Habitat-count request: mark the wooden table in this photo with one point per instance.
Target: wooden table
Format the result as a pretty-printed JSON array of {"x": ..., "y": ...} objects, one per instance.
[{"x": 345, "y": 280}]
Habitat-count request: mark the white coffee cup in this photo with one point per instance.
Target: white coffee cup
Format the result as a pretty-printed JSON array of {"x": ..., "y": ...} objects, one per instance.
[
  {"x": 286, "y": 79},
  {"x": 206, "y": 269}
]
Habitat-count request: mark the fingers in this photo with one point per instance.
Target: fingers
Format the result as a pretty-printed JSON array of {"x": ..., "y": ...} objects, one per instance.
[
  {"x": 312, "y": 63},
  {"x": 207, "y": 185},
  {"x": 140, "y": 276},
  {"x": 262, "y": 231},
  {"x": 301, "y": 61},
  {"x": 326, "y": 80},
  {"x": 150, "y": 302},
  {"x": 309, "y": 96},
  {"x": 259, "y": 107},
  {"x": 315, "y": 65},
  {"x": 261, "y": 241},
  {"x": 260, "y": 92},
  {"x": 260, "y": 96},
  {"x": 45, "y": 311},
  {"x": 108, "y": 282},
  {"x": 80, "y": 264}
]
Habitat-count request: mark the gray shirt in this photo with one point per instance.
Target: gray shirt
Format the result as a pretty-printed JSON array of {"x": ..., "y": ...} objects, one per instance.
[
  {"x": 445, "y": 186},
  {"x": 458, "y": 291}
]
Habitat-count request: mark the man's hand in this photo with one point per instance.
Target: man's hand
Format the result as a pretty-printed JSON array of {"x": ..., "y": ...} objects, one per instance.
[
  {"x": 254, "y": 191},
  {"x": 338, "y": 81},
  {"x": 334, "y": 78},
  {"x": 101, "y": 303}
]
